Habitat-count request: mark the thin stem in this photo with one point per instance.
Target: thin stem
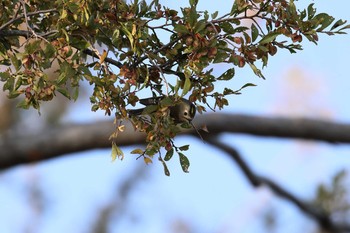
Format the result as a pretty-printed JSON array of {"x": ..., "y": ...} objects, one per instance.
[{"x": 28, "y": 15}]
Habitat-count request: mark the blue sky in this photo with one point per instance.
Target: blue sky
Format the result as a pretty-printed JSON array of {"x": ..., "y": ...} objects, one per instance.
[{"x": 214, "y": 196}]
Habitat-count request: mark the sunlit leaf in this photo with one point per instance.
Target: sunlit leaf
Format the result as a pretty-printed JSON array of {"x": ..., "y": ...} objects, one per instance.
[
  {"x": 147, "y": 160},
  {"x": 116, "y": 152},
  {"x": 103, "y": 56},
  {"x": 137, "y": 151},
  {"x": 187, "y": 86},
  {"x": 256, "y": 71},
  {"x": 269, "y": 38}
]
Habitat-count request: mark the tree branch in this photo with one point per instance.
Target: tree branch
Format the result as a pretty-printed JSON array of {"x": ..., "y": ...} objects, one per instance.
[
  {"x": 24, "y": 33},
  {"x": 18, "y": 148},
  {"x": 28, "y": 15},
  {"x": 324, "y": 220}
]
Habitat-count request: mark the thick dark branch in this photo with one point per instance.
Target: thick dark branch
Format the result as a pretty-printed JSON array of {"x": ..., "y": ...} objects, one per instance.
[
  {"x": 282, "y": 127},
  {"x": 18, "y": 148},
  {"x": 324, "y": 221}
]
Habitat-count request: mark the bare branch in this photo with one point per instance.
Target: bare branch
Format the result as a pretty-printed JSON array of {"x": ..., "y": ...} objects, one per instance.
[
  {"x": 24, "y": 33},
  {"x": 324, "y": 220},
  {"x": 16, "y": 148},
  {"x": 28, "y": 15}
]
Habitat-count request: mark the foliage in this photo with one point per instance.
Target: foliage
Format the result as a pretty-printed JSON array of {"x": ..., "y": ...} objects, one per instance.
[
  {"x": 116, "y": 46},
  {"x": 333, "y": 199}
]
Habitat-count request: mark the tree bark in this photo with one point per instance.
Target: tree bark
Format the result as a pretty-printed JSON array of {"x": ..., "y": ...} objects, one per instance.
[{"x": 22, "y": 148}]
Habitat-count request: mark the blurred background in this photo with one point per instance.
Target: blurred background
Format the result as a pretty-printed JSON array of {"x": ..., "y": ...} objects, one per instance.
[{"x": 86, "y": 192}]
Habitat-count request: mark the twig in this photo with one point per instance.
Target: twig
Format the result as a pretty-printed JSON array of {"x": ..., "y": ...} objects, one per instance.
[
  {"x": 162, "y": 75},
  {"x": 32, "y": 32},
  {"x": 324, "y": 220},
  {"x": 109, "y": 60},
  {"x": 28, "y": 15},
  {"x": 25, "y": 33}
]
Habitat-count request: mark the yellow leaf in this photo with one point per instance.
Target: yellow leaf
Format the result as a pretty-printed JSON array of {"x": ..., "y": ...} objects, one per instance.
[
  {"x": 116, "y": 152},
  {"x": 121, "y": 128},
  {"x": 137, "y": 151},
  {"x": 103, "y": 56},
  {"x": 147, "y": 160}
]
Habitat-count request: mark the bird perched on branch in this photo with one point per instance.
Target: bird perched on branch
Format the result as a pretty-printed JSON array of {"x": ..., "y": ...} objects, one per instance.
[{"x": 183, "y": 111}]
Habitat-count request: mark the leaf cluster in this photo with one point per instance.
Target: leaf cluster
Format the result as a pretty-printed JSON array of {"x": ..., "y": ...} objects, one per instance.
[{"x": 125, "y": 48}]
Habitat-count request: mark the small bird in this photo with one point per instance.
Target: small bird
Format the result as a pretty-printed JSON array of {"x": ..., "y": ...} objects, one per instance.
[{"x": 183, "y": 111}]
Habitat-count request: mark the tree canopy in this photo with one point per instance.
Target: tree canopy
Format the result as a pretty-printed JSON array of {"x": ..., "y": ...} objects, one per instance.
[{"x": 128, "y": 48}]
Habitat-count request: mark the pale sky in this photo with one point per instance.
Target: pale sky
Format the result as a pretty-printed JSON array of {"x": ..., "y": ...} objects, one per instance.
[{"x": 214, "y": 196}]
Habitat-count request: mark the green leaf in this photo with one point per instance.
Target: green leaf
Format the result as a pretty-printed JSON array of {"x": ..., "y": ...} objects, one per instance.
[
  {"x": 66, "y": 71},
  {"x": 14, "y": 94},
  {"x": 269, "y": 38},
  {"x": 181, "y": 29},
  {"x": 49, "y": 50},
  {"x": 339, "y": 23},
  {"x": 187, "y": 86},
  {"x": 94, "y": 107},
  {"x": 64, "y": 92},
  {"x": 325, "y": 20},
  {"x": 255, "y": 32},
  {"x": 16, "y": 62},
  {"x": 302, "y": 14},
  {"x": 169, "y": 154},
  {"x": 311, "y": 11},
  {"x": 184, "y": 148},
  {"x": 234, "y": 9},
  {"x": 193, "y": 15},
  {"x": 193, "y": 2},
  {"x": 229, "y": 74},
  {"x": 4, "y": 76},
  {"x": 228, "y": 91},
  {"x": 73, "y": 7},
  {"x": 248, "y": 85},
  {"x": 167, "y": 101},
  {"x": 166, "y": 170},
  {"x": 221, "y": 56},
  {"x": 256, "y": 71},
  {"x": 227, "y": 27},
  {"x": 23, "y": 104},
  {"x": 200, "y": 25},
  {"x": 214, "y": 15},
  {"x": 185, "y": 163},
  {"x": 129, "y": 35},
  {"x": 10, "y": 84},
  {"x": 18, "y": 82},
  {"x": 241, "y": 29},
  {"x": 75, "y": 94},
  {"x": 150, "y": 109},
  {"x": 31, "y": 48}
]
